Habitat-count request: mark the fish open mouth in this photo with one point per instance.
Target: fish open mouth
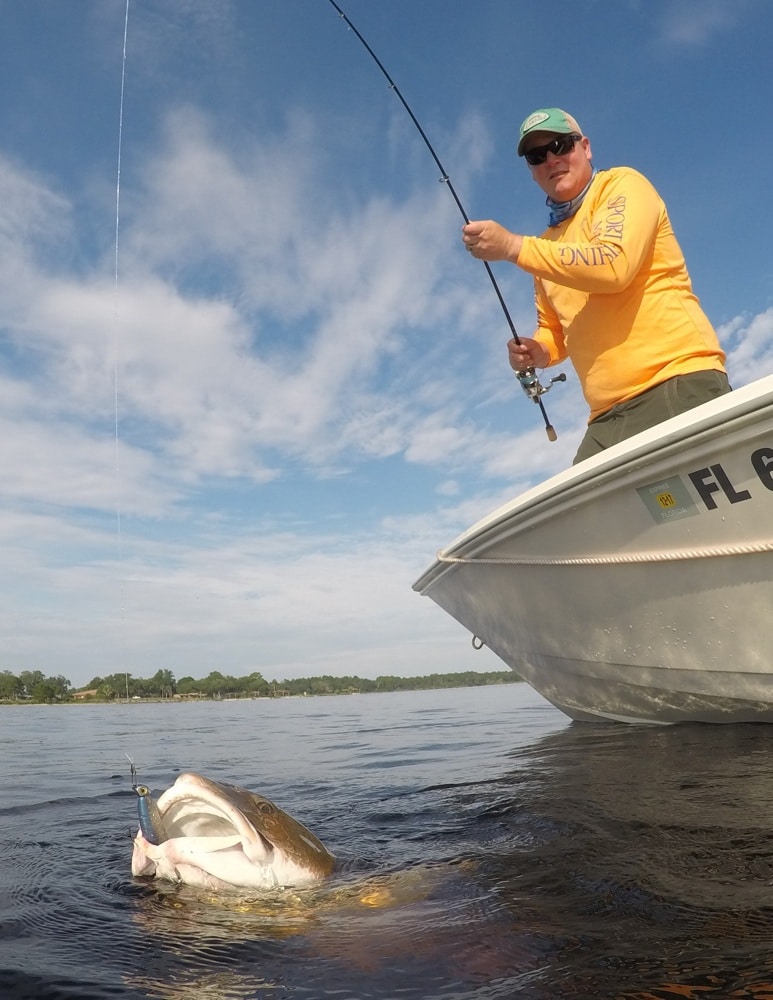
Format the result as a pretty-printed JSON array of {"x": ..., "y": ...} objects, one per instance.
[
  {"x": 195, "y": 808},
  {"x": 216, "y": 835}
]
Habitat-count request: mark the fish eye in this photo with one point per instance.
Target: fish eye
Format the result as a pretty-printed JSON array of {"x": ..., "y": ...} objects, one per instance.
[
  {"x": 266, "y": 808},
  {"x": 142, "y": 790}
]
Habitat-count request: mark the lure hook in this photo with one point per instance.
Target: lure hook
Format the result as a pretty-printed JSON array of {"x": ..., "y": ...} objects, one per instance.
[
  {"x": 132, "y": 772},
  {"x": 151, "y": 823}
]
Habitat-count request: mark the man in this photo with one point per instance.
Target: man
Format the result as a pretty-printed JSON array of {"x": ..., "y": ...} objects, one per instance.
[{"x": 611, "y": 287}]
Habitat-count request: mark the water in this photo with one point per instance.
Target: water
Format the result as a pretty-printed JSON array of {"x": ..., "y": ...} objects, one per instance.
[{"x": 516, "y": 854}]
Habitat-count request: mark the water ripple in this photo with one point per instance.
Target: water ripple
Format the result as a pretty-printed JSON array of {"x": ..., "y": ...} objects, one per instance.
[{"x": 488, "y": 849}]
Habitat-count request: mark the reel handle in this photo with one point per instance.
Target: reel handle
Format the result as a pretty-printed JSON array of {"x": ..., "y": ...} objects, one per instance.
[{"x": 534, "y": 389}]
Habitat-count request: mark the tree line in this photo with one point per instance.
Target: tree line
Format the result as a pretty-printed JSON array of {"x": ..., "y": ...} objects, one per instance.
[{"x": 32, "y": 685}]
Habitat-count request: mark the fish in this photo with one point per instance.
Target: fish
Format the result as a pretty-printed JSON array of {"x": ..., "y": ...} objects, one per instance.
[{"x": 218, "y": 836}]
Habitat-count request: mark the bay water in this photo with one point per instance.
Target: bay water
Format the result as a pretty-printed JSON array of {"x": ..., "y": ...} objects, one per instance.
[{"x": 487, "y": 848}]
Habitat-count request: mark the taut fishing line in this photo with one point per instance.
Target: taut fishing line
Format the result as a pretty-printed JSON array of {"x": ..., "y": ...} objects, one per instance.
[
  {"x": 116, "y": 370},
  {"x": 527, "y": 377}
]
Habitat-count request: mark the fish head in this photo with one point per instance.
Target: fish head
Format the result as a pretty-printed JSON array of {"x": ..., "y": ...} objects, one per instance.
[{"x": 218, "y": 835}]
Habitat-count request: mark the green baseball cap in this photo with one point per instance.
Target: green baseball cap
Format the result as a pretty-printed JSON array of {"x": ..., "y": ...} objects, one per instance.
[{"x": 547, "y": 120}]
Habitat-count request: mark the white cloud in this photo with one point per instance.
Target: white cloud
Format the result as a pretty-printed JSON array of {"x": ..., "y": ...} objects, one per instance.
[
  {"x": 257, "y": 342},
  {"x": 695, "y": 22},
  {"x": 748, "y": 341},
  {"x": 249, "y": 331},
  {"x": 211, "y": 375}
]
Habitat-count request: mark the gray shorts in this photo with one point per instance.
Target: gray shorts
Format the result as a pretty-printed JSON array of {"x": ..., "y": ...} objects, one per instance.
[{"x": 675, "y": 395}]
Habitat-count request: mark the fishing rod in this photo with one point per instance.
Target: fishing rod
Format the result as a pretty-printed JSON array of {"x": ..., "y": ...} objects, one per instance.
[{"x": 527, "y": 377}]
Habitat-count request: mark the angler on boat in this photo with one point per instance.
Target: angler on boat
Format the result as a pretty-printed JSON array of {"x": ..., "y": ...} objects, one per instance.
[{"x": 636, "y": 585}]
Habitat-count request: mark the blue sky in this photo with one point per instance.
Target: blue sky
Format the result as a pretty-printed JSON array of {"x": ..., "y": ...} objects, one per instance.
[{"x": 308, "y": 373}]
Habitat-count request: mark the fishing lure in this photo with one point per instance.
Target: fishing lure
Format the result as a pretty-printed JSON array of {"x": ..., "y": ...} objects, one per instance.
[
  {"x": 527, "y": 377},
  {"x": 151, "y": 824}
]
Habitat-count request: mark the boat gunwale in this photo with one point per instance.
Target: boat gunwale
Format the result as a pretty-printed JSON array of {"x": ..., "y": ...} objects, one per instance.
[{"x": 728, "y": 412}]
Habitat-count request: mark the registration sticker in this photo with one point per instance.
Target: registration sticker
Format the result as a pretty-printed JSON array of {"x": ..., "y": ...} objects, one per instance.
[{"x": 667, "y": 500}]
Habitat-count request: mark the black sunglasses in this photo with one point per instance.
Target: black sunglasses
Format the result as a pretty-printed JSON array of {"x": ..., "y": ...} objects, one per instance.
[{"x": 560, "y": 146}]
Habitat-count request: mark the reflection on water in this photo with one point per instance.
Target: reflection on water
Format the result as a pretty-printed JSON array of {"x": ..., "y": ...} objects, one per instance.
[
  {"x": 649, "y": 851},
  {"x": 488, "y": 848}
]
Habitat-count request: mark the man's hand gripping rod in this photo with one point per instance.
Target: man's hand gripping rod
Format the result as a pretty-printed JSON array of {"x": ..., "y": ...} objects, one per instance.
[{"x": 527, "y": 377}]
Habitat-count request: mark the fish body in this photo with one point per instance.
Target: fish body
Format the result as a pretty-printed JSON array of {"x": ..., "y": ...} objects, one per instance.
[{"x": 218, "y": 835}]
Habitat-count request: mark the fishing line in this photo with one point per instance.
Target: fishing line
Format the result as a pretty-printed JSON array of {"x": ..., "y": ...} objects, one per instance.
[
  {"x": 116, "y": 394},
  {"x": 116, "y": 368},
  {"x": 527, "y": 377}
]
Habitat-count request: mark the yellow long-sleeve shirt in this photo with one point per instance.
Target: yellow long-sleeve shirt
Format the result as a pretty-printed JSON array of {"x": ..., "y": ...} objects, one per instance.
[{"x": 614, "y": 296}]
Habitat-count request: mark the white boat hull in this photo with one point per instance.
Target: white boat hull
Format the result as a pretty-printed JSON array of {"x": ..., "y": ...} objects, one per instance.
[{"x": 636, "y": 586}]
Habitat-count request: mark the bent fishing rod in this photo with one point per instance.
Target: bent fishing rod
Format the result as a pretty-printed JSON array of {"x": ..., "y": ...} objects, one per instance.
[{"x": 527, "y": 377}]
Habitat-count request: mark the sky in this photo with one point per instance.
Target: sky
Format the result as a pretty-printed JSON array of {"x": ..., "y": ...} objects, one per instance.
[{"x": 250, "y": 380}]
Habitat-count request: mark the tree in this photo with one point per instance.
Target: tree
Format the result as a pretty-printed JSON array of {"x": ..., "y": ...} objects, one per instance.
[
  {"x": 11, "y": 686},
  {"x": 120, "y": 685},
  {"x": 214, "y": 684},
  {"x": 162, "y": 683},
  {"x": 256, "y": 684},
  {"x": 29, "y": 678},
  {"x": 51, "y": 689}
]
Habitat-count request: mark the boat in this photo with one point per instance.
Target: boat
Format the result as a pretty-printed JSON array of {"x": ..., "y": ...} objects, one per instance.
[{"x": 636, "y": 586}]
